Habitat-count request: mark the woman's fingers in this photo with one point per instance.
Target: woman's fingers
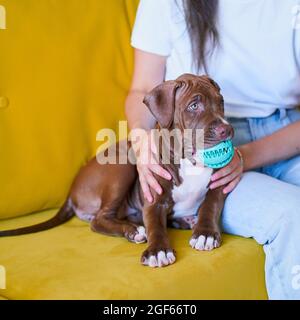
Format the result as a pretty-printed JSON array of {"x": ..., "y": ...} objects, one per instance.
[
  {"x": 153, "y": 183},
  {"x": 145, "y": 188},
  {"x": 232, "y": 185},
  {"x": 147, "y": 164},
  {"x": 228, "y": 176},
  {"x": 159, "y": 170},
  {"x": 227, "y": 179},
  {"x": 233, "y": 165},
  {"x": 147, "y": 180}
]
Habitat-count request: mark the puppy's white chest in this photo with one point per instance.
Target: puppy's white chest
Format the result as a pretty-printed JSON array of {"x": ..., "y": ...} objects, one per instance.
[{"x": 190, "y": 194}]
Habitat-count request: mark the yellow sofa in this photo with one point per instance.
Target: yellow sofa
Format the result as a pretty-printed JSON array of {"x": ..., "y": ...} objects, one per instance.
[{"x": 65, "y": 68}]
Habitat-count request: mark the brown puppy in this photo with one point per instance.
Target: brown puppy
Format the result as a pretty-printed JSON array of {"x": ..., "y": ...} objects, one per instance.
[{"x": 110, "y": 196}]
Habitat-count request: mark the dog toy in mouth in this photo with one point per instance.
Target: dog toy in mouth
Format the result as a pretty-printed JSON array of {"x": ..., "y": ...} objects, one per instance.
[{"x": 217, "y": 156}]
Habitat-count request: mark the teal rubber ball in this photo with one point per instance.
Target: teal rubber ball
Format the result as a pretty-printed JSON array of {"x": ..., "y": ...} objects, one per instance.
[{"x": 217, "y": 156}]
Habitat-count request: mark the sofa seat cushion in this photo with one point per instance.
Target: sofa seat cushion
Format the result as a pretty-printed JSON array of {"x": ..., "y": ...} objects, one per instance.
[{"x": 71, "y": 262}]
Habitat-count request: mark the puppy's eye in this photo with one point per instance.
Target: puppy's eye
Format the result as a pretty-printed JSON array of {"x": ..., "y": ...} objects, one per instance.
[{"x": 193, "y": 107}]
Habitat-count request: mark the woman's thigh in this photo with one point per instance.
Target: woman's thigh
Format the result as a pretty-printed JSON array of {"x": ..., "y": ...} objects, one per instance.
[{"x": 257, "y": 205}]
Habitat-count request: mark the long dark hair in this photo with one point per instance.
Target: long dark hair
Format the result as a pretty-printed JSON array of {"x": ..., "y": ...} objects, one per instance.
[{"x": 201, "y": 20}]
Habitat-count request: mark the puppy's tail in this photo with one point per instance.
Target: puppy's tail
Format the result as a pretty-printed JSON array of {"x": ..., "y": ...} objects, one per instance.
[{"x": 63, "y": 215}]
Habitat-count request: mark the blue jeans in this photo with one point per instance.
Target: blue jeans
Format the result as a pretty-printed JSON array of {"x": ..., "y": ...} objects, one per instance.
[{"x": 266, "y": 206}]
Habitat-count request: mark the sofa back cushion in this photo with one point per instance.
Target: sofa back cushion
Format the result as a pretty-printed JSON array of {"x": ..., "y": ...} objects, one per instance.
[{"x": 65, "y": 71}]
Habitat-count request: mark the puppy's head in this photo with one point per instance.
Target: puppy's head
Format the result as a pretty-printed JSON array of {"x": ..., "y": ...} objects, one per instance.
[{"x": 191, "y": 102}]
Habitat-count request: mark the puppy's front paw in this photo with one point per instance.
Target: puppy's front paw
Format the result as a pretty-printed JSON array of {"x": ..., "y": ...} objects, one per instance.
[
  {"x": 158, "y": 257},
  {"x": 205, "y": 240},
  {"x": 136, "y": 235}
]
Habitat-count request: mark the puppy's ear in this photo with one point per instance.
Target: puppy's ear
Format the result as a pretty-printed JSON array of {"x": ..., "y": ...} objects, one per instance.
[{"x": 161, "y": 102}]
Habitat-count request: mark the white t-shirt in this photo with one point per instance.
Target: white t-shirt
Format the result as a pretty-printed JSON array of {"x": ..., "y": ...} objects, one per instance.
[{"x": 257, "y": 62}]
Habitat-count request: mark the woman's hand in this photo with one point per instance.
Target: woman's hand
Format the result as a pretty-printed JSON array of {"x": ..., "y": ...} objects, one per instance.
[
  {"x": 147, "y": 164},
  {"x": 230, "y": 175}
]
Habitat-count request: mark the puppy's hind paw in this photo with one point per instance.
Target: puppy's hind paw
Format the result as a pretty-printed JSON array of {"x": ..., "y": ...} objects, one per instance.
[
  {"x": 137, "y": 236},
  {"x": 141, "y": 236}
]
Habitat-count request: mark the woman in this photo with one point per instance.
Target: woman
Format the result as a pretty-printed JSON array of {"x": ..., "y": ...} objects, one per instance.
[{"x": 251, "y": 48}]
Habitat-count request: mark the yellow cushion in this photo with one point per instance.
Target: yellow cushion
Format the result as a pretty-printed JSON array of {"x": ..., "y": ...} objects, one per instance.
[
  {"x": 65, "y": 70},
  {"x": 71, "y": 262}
]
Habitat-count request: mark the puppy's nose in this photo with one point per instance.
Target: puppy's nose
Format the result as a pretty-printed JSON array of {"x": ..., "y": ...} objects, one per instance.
[{"x": 223, "y": 131}]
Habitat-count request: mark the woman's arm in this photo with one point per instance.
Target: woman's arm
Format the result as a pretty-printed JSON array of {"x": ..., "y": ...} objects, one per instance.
[
  {"x": 283, "y": 144},
  {"x": 149, "y": 71}
]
